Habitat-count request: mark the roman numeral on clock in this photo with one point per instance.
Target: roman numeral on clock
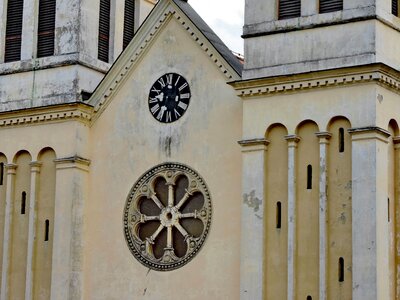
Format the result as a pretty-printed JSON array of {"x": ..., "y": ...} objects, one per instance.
[
  {"x": 169, "y": 78},
  {"x": 182, "y": 105},
  {"x": 155, "y": 109},
  {"x": 183, "y": 86}
]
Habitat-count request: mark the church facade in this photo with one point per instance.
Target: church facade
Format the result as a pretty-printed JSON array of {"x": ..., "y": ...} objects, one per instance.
[{"x": 141, "y": 159}]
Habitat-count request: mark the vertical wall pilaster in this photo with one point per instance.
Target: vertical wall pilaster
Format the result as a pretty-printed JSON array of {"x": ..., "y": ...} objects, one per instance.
[
  {"x": 70, "y": 195},
  {"x": 396, "y": 142},
  {"x": 35, "y": 169},
  {"x": 252, "y": 240},
  {"x": 323, "y": 213},
  {"x": 292, "y": 146},
  {"x": 11, "y": 172},
  {"x": 369, "y": 212},
  {"x": 29, "y": 30}
]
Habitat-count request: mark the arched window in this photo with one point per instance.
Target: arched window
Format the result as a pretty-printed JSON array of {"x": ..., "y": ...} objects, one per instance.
[
  {"x": 129, "y": 22},
  {"x": 1, "y": 173},
  {"x": 309, "y": 177},
  {"x": 46, "y": 27},
  {"x": 309, "y": 298},
  {"x": 23, "y": 203},
  {"x": 326, "y": 6},
  {"x": 395, "y": 7},
  {"x": 46, "y": 230},
  {"x": 13, "y": 40},
  {"x": 289, "y": 9},
  {"x": 104, "y": 31},
  {"x": 341, "y": 140},
  {"x": 341, "y": 269}
]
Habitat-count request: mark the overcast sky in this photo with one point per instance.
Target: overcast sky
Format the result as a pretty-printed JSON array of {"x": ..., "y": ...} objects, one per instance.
[{"x": 225, "y": 17}]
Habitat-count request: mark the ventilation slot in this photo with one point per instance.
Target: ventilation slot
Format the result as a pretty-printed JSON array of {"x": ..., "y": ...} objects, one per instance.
[
  {"x": 278, "y": 215},
  {"x": 104, "y": 30},
  {"x": 46, "y": 26},
  {"x": 309, "y": 298},
  {"x": 23, "y": 203},
  {"x": 395, "y": 7},
  {"x": 289, "y": 9},
  {"x": 129, "y": 22},
  {"x": 341, "y": 140},
  {"x": 14, "y": 30},
  {"x": 341, "y": 269},
  {"x": 326, "y": 6},
  {"x": 309, "y": 177},
  {"x": 388, "y": 204},
  {"x": 1, "y": 173},
  {"x": 46, "y": 230}
]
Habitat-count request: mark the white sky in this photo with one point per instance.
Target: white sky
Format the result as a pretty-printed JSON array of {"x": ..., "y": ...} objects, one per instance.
[{"x": 225, "y": 17}]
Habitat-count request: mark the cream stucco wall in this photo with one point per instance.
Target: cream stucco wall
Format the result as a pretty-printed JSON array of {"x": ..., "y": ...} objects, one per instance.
[{"x": 126, "y": 141}]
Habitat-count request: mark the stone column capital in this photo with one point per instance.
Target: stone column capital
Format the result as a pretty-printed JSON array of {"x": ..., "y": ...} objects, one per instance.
[
  {"x": 292, "y": 140},
  {"x": 35, "y": 166},
  {"x": 369, "y": 133},
  {"x": 11, "y": 169},
  {"x": 324, "y": 137},
  {"x": 251, "y": 145}
]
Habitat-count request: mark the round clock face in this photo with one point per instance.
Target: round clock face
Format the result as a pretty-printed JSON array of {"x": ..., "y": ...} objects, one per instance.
[
  {"x": 169, "y": 98},
  {"x": 167, "y": 216}
]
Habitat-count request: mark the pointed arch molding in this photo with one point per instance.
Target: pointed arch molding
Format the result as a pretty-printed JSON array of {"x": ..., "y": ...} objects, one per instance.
[{"x": 143, "y": 40}]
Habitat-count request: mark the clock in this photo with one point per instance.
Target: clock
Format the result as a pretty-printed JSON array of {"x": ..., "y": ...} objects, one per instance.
[{"x": 169, "y": 98}]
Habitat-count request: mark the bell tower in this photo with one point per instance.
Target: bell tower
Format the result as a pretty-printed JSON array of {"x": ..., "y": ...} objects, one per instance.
[
  {"x": 320, "y": 144},
  {"x": 57, "y": 51}
]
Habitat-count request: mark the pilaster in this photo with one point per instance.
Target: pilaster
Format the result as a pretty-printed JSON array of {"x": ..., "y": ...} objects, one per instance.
[
  {"x": 324, "y": 138},
  {"x": 396, "y": 142},
  {"x": 292, "y": 147},
  {"x": 11, "y": 172},
  {"x": 252, "y": 276},
  {"x": 70, "y": 195},
  {"x": 370, "y": 230},
  {"x": 35, "y": 170}
]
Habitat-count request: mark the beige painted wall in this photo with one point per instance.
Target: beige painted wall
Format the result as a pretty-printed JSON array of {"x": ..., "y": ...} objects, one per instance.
[{"x": 126, "y": 141}]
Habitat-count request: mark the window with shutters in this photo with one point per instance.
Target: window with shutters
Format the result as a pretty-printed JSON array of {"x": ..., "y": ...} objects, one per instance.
[
  {"x": 326, "y": 6},
  {"x": 104, "y": 30},
  {"x": 13, "y": 30},
  {"x": 395, "y": 7},
  {"x": 46, "y": 26},
  {"x": 289, "y": 9},
  {"x": 129, "y": 22}
]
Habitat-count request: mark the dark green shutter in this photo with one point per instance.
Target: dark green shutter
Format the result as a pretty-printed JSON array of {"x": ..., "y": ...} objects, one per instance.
[
  {"x": 129, "y": 22},
  {"x": 104, "y": 30},
  {"x": 13, "y": 38},
  {"x": 289, "y": 9},
  {"x": 326, "y": 6},
  {"x": 395, "y": 7},
  {"x": 46, "y": 26}
]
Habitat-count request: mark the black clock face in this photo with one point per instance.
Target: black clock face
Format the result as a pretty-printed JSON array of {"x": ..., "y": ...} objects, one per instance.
[{"x": 169, "y": 98}]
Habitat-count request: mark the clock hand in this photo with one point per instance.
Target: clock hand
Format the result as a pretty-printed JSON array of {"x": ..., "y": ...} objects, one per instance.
[{"x": 160, "y": 97}]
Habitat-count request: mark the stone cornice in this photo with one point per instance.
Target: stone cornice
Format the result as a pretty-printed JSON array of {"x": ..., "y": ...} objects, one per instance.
[
  {"x": 269, "y": 86},
  {"x": 73, "y": 162},
  {"x": 251, "y": 145},
  {"x": 143, "y": 39},
  {"x": 368, "y": 133},
  {"x": 55, "y": 113}
]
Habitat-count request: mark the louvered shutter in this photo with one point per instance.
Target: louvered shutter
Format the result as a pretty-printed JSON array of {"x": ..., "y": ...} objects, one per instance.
[
  {"x": 395, "y": 7},
  {"x": 129, "y": 22},
  {"x": 289, "y": 9},
  {"x": 46, "y": 26},
  {"x": 104, "y": 30},
  {"x": 13, "y": 40},
  {"x": 326, "y": 6}
]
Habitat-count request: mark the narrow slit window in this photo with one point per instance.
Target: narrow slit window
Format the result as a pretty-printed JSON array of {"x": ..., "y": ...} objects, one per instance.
[
  {"x": 13, "y": 40},
  {"x": 326, "y": 6},
  {"x": 309, "y": 298},
  {"x": 1, "y": 173},
  {"x": 23, "y": 203},
  {"x": 289, "y": 9},
  {"x": 129, "y": 22},
  {"x": 46, "y": 28},
  {"x": 104, "y": 31},
  {"x": 278, "y": 215},
  {"x": 46, "y": 230},
  {"x": 309, "y": 177},
  {"x": 388, "y": 204},
  {"x": 395, "y": 7},
  {"x": 341, "y": 269},
  {"x": 341, "y": 140}
]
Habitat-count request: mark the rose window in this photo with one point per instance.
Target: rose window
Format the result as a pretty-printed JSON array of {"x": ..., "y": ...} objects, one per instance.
[{"x": 167, "y": 216}]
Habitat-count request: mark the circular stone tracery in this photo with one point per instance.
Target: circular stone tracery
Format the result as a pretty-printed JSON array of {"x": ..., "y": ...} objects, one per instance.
[{"x": 167, "y": 216}]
